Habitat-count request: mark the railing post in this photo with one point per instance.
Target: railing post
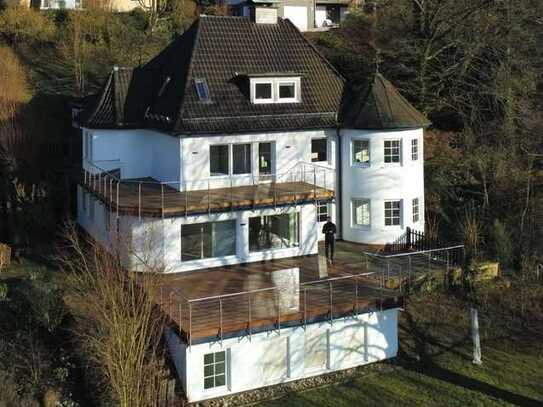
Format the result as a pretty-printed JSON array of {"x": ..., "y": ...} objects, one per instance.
[
  {"x": 208, "y": 197},
  {"x": 139, "y": 200},
  {"x": 315, "y": 184},
  {"x": 278, "y": 311},
  {"x": 356, "y": 295},
  {"x": 231, "y": 196},
  {"x": 99, "y": 183},
  {"x": 250, "y": 317},
  {"x": 305, "y": 307},
  {"x": 331, "y": 303},
  {"x": 110, "y": 191},
  {"x": 220, "y": 318},
  {"x": 275, "y": 192},
  {"x": 447, "y": 271},
  {"x": 180, "y": 314},
  {"x": 118, "y": 182},
  {"x": 162, "y": 198},
  {"x": 190, "y": 323},
  {"x": 185, "y": 190}
]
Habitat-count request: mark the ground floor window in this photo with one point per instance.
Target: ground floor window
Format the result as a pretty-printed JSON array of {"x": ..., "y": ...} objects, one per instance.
[
  {"x": 206, "y": 240},
  {"x": 273, "y": 232},
  {"x": 393, "y": 213},
  {"x": 214, "y": 369},
  {"x": 361, "y": 212},
  {"x": 323, "y": 211},
  {"x": 416, "y": 210}
]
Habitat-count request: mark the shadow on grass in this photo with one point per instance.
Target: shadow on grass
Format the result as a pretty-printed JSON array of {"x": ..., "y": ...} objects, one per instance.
[{"x": 420, "y": 359}]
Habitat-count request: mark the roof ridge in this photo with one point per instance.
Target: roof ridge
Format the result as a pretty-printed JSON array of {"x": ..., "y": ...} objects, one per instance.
[{"x": 197, "y": 27}]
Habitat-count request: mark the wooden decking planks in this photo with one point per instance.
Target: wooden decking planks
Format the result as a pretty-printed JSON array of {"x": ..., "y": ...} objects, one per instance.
[
  {"x": 152, "y": 199},
  {"x": 310, "y": 299}
]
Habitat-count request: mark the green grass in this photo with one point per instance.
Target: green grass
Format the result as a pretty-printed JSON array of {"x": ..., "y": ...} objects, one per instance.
[{"x": 434, "y": 366}]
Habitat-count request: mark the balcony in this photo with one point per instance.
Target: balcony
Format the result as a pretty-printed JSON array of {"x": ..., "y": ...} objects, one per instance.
[{"x": 147, "y": 197}]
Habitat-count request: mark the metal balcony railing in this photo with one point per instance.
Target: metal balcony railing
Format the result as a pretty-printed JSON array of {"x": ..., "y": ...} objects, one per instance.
[{"x": 304, "y": 182}]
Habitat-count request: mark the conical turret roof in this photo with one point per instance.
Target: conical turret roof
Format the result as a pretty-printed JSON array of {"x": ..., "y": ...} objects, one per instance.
[{"x": 378, "y": 105}]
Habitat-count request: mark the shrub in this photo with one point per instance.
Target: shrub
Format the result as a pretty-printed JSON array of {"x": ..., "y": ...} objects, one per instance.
[{"x": 21, "y": 24}]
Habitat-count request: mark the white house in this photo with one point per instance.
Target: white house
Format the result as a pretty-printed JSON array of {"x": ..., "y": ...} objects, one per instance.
[{"x": 229, "y": 148}]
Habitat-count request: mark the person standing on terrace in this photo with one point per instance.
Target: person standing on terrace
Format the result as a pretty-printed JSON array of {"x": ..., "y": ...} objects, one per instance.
[{"x": 329, "y": 229}]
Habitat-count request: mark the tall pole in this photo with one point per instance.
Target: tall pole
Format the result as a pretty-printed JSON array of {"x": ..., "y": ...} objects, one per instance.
[{"x": 475, "y": 336}]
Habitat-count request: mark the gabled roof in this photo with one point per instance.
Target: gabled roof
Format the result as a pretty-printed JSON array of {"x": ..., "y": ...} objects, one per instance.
[
  {"x": 224, "y": 51},
  {"x": 378, "y": 105}
]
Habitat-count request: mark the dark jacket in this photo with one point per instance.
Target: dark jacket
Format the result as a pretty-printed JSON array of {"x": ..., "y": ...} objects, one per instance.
[{"x": 329, "y": 230}]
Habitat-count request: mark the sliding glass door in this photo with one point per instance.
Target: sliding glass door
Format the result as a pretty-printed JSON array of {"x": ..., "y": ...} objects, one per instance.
[
  {"x": 273, "y": 232},
  {"x": 207, "y": 240}
]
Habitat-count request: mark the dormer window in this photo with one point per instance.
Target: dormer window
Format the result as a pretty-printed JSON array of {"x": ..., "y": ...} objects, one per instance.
[
  {"x": 275, "y": 90},
  {"x": 202, "y": 90},
  {"x": 263, "y": 92}
]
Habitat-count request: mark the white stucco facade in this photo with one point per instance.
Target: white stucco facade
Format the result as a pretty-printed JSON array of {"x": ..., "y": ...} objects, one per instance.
[
  {"x": 378, "y": 182},
  {"x": 289, "y": 354}
]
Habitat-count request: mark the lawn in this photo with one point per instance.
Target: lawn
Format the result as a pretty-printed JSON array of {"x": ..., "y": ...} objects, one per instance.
[{"x": 434, "y": 366}]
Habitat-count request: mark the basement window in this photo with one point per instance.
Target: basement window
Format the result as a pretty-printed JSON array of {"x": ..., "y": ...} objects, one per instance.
[
  {"x": 202, "y": 90},
  {"x": 214, "y": 370}
]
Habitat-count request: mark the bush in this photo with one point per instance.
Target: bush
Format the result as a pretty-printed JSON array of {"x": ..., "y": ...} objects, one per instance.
[{"x": 20, "y": 24}]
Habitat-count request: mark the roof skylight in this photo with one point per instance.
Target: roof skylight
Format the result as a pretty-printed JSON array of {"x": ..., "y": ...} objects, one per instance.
[{"x": 202, "y": 90}]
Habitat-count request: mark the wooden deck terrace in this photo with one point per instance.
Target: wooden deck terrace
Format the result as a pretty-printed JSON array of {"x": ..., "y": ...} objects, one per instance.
[
  {"x": 146, "y": 197},
  {"x": 231, "y": 301}
]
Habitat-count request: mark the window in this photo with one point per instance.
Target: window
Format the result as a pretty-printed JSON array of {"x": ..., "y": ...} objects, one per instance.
[
  {"x": 414, "y": 149},
  {"x": 287, "y": 92},
  {"x": 392, "y": 213},
  {"x": 392, "y": 151},
  {"x": 273, "y": 232},
  {"x": 361, "y": 212},
  {"x": 241, "y": 161},
  {"x": 275, "y": 90},
  {"x": 416, "y": 210},
  {"x": 361, "y": 151},
  {"x": 264, "y": 158},
  {"x": 207, "y": 240},
  {"x": 323, "y": 212},
  {"x": 263, "y": 92},
  {"x": 214, "y": 369},
  {"x": 218, "y": 160},
  {"x": 319, "y": 150},
  {"x": 202, "y": 90}
]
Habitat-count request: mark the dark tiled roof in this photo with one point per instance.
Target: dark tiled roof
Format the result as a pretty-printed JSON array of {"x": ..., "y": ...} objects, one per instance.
[
  {"x": 224, "y": 51},
  {"x": 120, "y": 103},
  {"x": 378, "y": 105}
]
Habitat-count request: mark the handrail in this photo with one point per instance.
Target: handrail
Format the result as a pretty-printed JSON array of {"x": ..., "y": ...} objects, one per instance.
[
  {"x": 386, "y": 256},
  {"x": 217, "y": 178}
]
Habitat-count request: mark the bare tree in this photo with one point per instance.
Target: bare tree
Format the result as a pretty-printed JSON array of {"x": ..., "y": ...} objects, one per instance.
[{"x": 118, "y": 321}]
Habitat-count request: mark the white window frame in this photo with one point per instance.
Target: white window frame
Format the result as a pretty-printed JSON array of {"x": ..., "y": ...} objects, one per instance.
[
  {"x": 399, "y": 162},
  {"x": 385, "y": 213},
  {"x": 296, "y": 84},
  {"x": 254, "y": 82},
  {"x": 354, "y": 219},
  {"x": 415, "y": 149},
  {"x": 231, "y": 159},
  {"x": 327, "y": 149},
  {"x": 275, "y": 84},
  {"x": 214, "y": 363},
  {"x": 321, "y": 205},
  {"x": 353, "y": 161},
  {"x": 415, "y": 203}
]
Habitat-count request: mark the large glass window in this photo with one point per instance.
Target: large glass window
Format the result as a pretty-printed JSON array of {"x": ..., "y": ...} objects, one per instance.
[
  {"x": 361, "y": 212},
  {"x": 273, "y": 232},
  {"x": 218, "y": 160},
  {"x": 361, "y": 151},
  {"x": 392, "y": 213},
  {"x": 241, "y": 161},
  {"x": 206, "y": 240},
  {"x": 214, "y": 369},
  {"x": 319, "y": 150},
  {"x": 392, "y": 151}
]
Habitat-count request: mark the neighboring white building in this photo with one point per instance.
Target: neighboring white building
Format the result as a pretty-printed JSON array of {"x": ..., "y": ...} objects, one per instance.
[{"x": 231, "y": 147}]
